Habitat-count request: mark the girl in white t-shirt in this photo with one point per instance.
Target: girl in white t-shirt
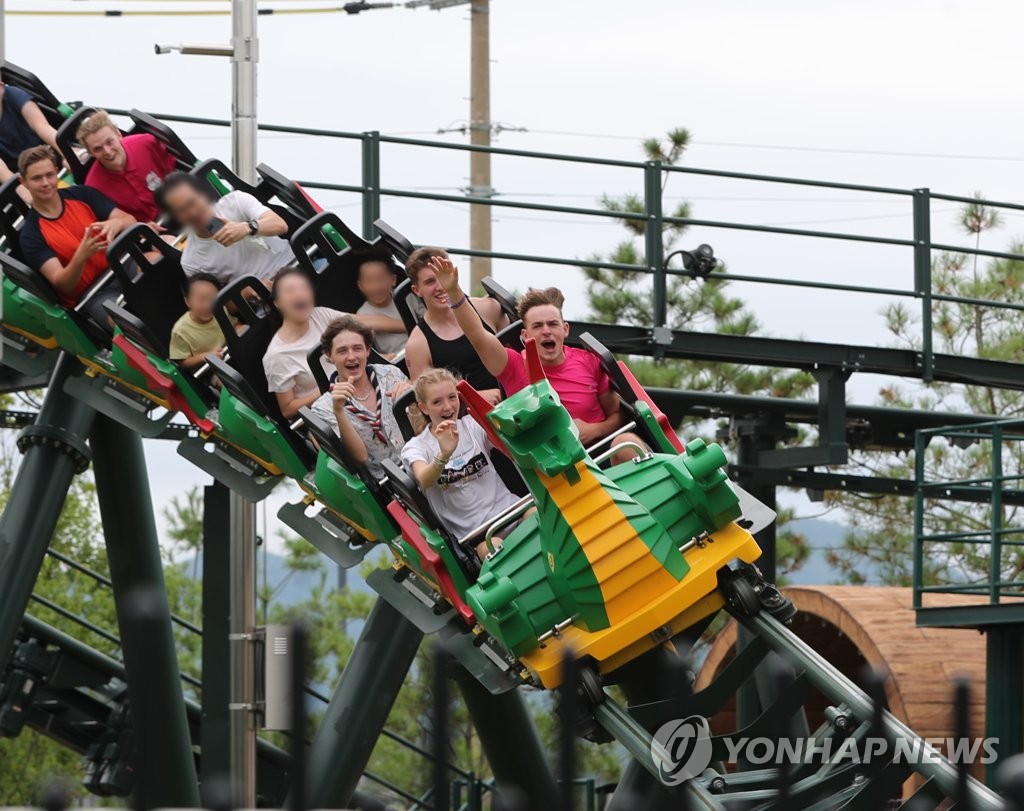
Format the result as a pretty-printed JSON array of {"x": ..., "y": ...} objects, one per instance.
[{"x": 451, "y": 460}]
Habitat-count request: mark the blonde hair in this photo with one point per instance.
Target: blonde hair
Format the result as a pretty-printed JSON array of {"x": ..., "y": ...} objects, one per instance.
[
  {"x": 93, "y": 124},
  {"x": 428, "y": 378}
]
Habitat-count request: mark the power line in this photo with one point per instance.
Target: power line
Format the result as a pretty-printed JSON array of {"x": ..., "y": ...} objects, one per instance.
[
  {"x": 348, "y": 8},
  {"x": 791, "y": 148}
]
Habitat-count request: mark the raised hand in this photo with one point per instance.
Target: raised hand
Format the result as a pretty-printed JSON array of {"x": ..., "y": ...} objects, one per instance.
[
  {"x": 447, "y": 434},
  {"x": 447, "y": 273},
  {"x": 342, "y": 392}
]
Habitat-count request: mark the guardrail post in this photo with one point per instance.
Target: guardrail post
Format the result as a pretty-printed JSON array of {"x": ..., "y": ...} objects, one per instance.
[
  {"x": 996, "y": 552},
  {"x": 923, "y": 276},
  {"x": 654, "y": 248},
  {"x": 920, "y": 445},
  {"x": 371, "y": 181}
]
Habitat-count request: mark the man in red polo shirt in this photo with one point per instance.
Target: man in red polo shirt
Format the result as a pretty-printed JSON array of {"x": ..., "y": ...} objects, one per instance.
[
  {"x": 67, "y": 232},
  {"x": 127, "y": 168},
  {"x": 577, "y": 376}
]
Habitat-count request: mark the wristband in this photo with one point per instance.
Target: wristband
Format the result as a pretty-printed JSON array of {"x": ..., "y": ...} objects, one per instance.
[
  {"x": 440, "y": 462},
  {"x": 462, "y": 301}
]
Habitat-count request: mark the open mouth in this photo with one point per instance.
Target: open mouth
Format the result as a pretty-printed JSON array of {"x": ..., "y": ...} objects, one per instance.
[
  {"x": 549, "y": 344},
  {"x": 352, "y": 367},
  {"x": 447, "y": 415}
]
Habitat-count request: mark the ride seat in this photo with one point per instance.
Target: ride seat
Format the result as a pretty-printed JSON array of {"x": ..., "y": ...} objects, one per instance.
[
  {"x": 52, "y": 107},
  {"x": 412, "y": 500},
  {"x": 154, "y": 288},
  {"x": 632, "y": 395},
  {"x": 221, "y": 180},
  {"x": 12, "y": 215}
]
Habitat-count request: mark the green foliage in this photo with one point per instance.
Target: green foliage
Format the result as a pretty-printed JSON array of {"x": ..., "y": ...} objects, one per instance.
[
  {"x": 881, "y": 533},
  {"x": 624, "y": 297}
]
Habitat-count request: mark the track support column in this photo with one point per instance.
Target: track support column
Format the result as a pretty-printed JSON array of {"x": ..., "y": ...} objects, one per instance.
[
  {"x": 55, "y": 451},
  {"x": 133, "y": 552},
  {"x": 360, "y": 705},
  {"x": 510, "y": 742},
  {"x": 1004, "y": 694}
]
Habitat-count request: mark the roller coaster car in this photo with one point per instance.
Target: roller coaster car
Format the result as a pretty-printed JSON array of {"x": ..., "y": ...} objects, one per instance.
[
  {"x": 612, "y": 563},
  {"x": 142, "y": 123}
]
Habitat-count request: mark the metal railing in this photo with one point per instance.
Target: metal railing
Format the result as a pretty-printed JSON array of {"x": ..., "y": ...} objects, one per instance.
[
  {"x": 921, "y": 241},
  {"x": 987, "y": 530}
]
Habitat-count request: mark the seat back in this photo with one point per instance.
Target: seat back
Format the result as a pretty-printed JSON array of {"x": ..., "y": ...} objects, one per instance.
[
  {"x": 316, "y": 368},
  {"x": 12, "y": 215},
  {"x": 400, "y": 408},
  {"x": 52, "y": 107},
  {"x": 409, "y": 305},
  {"x": 145, "y": 123},
  {"x": 651, "y": 422},
  {"x": 247, "y": 346},
  {"x": 290, "y": 193},
  {"x": 154, "y": 288},
  {"x": 137, "y": 331},
  {"x": 407, "y": 493},
  {"x": 222, "y": 181},
  {"x": 399, "y": 246},
  {"x": 502, "y": 296},
  {"x": 67, "y": 141},
  {"x": 326, "y": 237},
  {"x": 512, "y": 335},
  {"x": 27, "y": 279}
]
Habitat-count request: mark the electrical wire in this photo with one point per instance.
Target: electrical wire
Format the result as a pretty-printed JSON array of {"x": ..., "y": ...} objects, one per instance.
[{"x": 263, "y": 12}]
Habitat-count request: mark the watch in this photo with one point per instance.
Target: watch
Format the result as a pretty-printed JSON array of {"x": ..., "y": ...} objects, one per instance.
[{"x": 254, "y": 227}]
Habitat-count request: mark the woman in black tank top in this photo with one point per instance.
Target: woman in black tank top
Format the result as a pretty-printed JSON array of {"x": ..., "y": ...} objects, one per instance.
[{"x": 460, "y": 357}]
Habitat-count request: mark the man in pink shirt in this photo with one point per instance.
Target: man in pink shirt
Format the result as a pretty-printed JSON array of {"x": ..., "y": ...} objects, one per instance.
[
  {"x": 577, "y": 376},
  {"x": 127, "y": 169}
]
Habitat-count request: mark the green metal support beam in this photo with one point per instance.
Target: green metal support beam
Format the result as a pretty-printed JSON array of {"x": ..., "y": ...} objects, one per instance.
[
  {"x": 148, "y": 648},
  {"x": 781, "y": 353},
  {"x": 55, "y": 449},
  {"x": 510, "y": 741},
  {"x": 215, "y": 732},
  {"x": 1004, "y": 695},
  {"x": 360, "y": 705}
]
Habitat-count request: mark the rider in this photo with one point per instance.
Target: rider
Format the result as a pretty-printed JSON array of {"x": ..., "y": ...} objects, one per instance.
[
  {"x": 577, "y": 376},
  {"x": 359, "y": 405},
  {"x": 451, "y": 460}
]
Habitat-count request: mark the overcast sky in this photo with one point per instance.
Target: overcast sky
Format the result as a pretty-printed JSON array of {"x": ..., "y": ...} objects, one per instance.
[{"x": 901, "y": 94}]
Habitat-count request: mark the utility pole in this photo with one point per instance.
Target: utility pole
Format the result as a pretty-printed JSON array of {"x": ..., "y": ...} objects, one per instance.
[
  {"x": 480, "y": 135},
  {"x": 242, "y": 626},
  {"x": 480, "y": 128},
  {"x": 244, "y": 58}
]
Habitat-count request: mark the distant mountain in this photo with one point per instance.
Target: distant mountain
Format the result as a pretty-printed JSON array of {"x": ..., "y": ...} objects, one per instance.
[
  {"x": 821, "y": 536},
  {"x": 298, "y": 585}
]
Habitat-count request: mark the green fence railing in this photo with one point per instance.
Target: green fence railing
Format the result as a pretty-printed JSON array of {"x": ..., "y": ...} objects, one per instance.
[{"x": 977, "y": 551}]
